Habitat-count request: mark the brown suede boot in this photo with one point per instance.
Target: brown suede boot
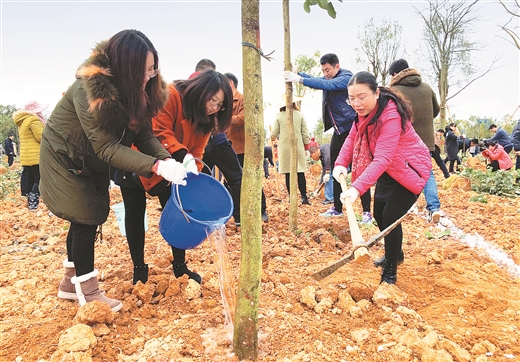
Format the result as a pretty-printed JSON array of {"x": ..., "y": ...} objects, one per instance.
[
  {"x": 87, "y": 290},
  {"x": 67, "y": 289}
]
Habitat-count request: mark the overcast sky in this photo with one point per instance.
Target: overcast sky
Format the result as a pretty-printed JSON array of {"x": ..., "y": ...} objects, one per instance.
[{"x": 43, "y": 43}]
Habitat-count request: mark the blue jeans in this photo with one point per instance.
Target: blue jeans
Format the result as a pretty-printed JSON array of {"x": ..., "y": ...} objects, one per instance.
[
  {"x": 431, "y": 195},
  {"x": 329, "y": 189}
]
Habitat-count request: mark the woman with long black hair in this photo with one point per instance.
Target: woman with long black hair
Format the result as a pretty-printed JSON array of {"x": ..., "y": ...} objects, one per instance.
[{"x": 107, "y": 109}]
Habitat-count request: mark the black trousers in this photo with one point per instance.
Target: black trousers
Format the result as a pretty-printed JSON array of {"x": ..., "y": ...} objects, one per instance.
[
  {"x": 302, "y": 183},
  {"x": 30, "y": 180},
  {"x": 336, "y": 143},
  {"x": 224, "y": 157},
  {"x": 438, "y": 160},
  {"x": 23, "y": 181},
  {"x": 135, "y": 206},
  {"x": 80, "y": 247},
  {"x": 385, "y": 213},
  {"x": 454, "y": 164}
]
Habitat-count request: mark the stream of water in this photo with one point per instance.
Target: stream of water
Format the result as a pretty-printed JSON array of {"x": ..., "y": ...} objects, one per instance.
[
  {"x": 477, "y": 241},
  {"x": 227, "y": 287}
]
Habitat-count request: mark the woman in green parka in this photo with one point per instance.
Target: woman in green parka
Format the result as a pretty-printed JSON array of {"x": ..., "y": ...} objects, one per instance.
[{"x": 107, "y": 109}]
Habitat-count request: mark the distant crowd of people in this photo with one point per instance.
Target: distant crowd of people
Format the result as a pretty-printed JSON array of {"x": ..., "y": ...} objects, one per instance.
[{"x": 495, "y": 149}]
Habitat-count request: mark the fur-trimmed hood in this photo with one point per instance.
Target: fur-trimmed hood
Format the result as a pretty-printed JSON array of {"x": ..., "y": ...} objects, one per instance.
[
  {"x": 102, "y": 95},
  {"x": 408, "y": 77}
]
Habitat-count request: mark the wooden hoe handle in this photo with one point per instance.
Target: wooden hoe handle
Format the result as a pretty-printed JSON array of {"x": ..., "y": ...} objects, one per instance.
[{"x": 355, "y": 233}]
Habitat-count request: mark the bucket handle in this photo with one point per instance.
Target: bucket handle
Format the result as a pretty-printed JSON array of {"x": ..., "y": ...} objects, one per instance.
[{"x": 177, "y": 188}]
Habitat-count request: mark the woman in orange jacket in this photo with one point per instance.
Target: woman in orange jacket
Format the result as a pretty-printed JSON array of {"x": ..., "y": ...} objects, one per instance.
[{"x": 195, "y": 107}]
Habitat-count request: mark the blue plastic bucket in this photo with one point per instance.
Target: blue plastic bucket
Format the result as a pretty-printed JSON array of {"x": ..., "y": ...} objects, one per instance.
[{"x": 206, "y": 205}]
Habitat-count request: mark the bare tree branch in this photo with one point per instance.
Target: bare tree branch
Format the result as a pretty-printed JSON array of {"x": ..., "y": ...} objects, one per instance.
[
  {"x": 513, "y": 36},
  {"x": 510, "y": 11},
  {"x": 474, "y": 79},
  {"x": 448, "y": 47},
  {"x": 380, "y": 45}
]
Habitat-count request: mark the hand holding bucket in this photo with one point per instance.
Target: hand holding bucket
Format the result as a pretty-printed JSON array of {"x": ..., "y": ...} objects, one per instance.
[
  {"x": 190, "y": 164},
  {"x": 172, "y": 171},
  {"x": 199, "y": 207}
]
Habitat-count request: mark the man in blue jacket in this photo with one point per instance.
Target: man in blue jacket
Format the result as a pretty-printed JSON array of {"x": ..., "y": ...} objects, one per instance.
[
  {"x": 501, "y": 137},
  {"x": 337, "y": 113}
]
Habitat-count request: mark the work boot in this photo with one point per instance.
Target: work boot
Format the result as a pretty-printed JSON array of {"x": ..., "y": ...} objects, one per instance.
[
  {"x": 66, "y": 289},
  {"x": 379, "y": 262},
  {"x": 33, "y": 200},
  {"x": 389, "y": 274},
  {"x": 305, "y": 200},
  {"x": 140, "y": 274},
  {"x": 87, "y": 290},
  {"x": 181, "y": 269}
]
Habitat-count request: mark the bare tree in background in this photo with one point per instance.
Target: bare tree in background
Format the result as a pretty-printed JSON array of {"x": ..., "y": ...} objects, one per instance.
[
  {"x": 512, "y": 32},
  {"x": 380, "y": 44},
  {"x": 449, "y": 50}
]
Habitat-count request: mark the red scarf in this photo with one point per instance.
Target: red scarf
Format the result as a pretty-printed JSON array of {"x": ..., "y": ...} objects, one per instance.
[{"x": 362, "y": 155}]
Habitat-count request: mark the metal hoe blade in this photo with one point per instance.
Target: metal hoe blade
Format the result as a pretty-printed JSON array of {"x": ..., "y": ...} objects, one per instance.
[{"x": 333, "y": 267}]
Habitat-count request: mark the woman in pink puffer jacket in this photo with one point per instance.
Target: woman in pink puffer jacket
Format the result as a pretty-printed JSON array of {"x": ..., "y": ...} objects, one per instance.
[
  {"x": 499, "y": 159},
  {"x": 383, "y": 149}
]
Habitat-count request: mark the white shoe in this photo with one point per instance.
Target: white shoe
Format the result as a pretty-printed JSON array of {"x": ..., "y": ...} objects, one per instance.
[{"x": 434, "y": 216}]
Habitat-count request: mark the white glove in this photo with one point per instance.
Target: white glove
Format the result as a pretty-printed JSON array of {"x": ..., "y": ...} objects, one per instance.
[
  {"x": 291, "y": 77},
  {"x": 172, "y": 171},
  {"x": 326, "y": 177},
  {"x": 351, "y": 193},
  {"x": 339, "y": 170},
  {"x": 190, "y": 164}
]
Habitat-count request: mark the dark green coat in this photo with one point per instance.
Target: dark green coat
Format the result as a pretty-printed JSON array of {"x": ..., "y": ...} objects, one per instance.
[
  {"x": 423, "y": 101},
  {"x": 79, "y": 145}
]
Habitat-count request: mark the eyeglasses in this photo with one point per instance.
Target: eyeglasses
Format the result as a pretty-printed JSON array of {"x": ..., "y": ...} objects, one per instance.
[
  {"x": 352, "y": 101},
  {"x": 215, "y": 103},
  {"x": 152, "y": 73}
]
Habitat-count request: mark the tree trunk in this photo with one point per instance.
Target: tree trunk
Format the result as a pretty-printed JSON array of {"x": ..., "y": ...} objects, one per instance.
[
  {"x": 293, "y": 209},
  {"x": 245, "y": 335},
  {"x": 443, "y": 95}
]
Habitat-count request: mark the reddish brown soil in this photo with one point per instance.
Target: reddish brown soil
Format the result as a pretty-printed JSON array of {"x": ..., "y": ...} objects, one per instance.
[{"x": 458, "y": 304}]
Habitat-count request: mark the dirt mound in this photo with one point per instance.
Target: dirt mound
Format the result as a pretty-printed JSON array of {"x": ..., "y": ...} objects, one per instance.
[{"x": 452, "y": 301}]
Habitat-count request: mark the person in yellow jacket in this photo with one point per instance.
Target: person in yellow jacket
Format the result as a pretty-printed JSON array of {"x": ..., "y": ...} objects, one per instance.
[{"x": 30, "y": 121}]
